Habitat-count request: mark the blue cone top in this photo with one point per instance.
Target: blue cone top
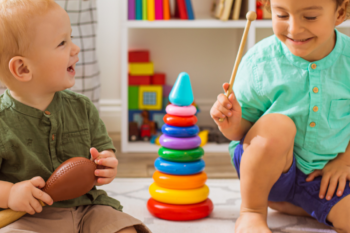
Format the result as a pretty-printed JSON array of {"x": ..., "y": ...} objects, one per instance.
[{"x": 181, "y": 94}]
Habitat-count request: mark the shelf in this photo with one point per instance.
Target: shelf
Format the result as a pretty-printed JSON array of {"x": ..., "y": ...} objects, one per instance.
[
  {"x": 204, "y": 23},
  {"x": 147, "y": 147},
  {"x": 198, "y": 23}
]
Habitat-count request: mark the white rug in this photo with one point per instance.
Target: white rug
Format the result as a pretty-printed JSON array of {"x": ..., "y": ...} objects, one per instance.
[{"x": 133, "y": 195}]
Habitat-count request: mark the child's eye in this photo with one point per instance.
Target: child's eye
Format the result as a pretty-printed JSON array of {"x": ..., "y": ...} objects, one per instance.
[
  {"x": 310, "y": 18},
  {"x": 62, "y": 43},
  {"x": 282, "y": 16}
]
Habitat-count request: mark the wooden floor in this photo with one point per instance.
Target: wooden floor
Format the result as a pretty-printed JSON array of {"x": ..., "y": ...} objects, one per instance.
[{"x": 135, "y": 165}]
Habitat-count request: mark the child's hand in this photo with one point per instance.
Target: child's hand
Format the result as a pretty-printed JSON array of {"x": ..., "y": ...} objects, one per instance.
[
  {"x": 25, "y": 196},
  {"x": 106, "y": 165},
  {"x": 228, "y": 108},
  {"x": 334, "y": 173}
]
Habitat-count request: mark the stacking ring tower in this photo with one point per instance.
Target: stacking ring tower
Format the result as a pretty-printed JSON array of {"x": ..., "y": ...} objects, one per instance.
[{"x": 179, "y": 192}]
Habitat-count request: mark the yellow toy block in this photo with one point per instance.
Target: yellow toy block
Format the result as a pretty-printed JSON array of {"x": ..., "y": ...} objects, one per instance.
[
  {"x": 146, "y": 68},
  {"x": 150, "y": 97}
]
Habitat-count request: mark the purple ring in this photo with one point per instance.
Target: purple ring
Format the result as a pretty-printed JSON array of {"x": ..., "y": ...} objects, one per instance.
[{"x": 180, "y": 143}]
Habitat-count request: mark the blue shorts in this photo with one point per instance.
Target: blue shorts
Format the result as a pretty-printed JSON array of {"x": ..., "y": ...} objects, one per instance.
[{"x": 292, "y": 187}]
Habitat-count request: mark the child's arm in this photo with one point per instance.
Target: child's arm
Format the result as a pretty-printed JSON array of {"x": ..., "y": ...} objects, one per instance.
[
  {"x": 5, "y": 188},
  {"x": 24, "y": 196},
  {"x": 336, "y": 171},
  {"x": 234, "y": 127}
]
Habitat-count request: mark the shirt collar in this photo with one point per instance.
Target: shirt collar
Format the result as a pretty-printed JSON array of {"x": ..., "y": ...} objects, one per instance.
[
  {"x": 324, "y": 63},
  {"x": 53, "y": 107}
]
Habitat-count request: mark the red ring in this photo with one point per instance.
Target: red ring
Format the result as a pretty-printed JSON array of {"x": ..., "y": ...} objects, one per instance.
[
  {"x": 180, "y": 121},
  {"x": 180, "y": 212}
]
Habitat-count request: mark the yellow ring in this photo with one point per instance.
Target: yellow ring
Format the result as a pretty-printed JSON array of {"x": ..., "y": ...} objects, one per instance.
[
  {"x": 179, "y": 197},
  {"x": 179, "y": 182}
]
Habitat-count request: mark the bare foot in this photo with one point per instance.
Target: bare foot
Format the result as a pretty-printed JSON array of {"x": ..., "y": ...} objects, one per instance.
[
  {"x": 288, "y": 208},
  {"x": 251, "y": 223}
]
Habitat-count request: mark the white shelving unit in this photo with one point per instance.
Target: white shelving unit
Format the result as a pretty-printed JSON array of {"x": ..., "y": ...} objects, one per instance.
[{"x": 201, "y": 22}]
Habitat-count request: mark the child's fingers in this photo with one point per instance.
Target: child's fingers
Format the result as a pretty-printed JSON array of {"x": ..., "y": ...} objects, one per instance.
[
  {"x": 216, "y": 115},
  {"x": 313, "y": 175},
  {"x": 106, "y": 173},
  {"x": 234, "y": 101},
  {"x": 341, "y": 186},
  {"x": 103, "y": 181},
  {"x": 38, "y": 182},
  {"x": 35, "y": 204},
  {"x": 94, "y": 153},
  {"x": 29, "y": 209},
  {"x": 225, "y": 86},
  {"x": 324, "y": 185},
  {"x": 41, "y": 195},
  {"x": 224, "y": 101},
  {"x": 107, "y": 162},
  {"x": 332, "y": 187}
]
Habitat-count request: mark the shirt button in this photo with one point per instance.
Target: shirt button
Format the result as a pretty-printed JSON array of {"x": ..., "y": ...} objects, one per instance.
[
  {"x": 53, "y": 137},
  {"x": 312, "y": 124},
  {"x": 315, "y": 109},
  {"x": 313, "y": 66},
  {"x": 315, "y": 90},
  {"x": 47, "y": 113}
]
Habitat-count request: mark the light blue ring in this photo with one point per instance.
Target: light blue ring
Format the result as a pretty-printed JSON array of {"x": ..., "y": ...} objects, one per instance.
[{"x": 176, "y": 168}]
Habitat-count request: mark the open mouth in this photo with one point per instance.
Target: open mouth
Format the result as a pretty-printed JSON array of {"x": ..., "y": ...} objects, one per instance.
[{"x": 70, "y": 69}]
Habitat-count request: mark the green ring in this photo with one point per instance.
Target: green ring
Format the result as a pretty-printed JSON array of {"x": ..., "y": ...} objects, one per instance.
[{"x": 181, "y": 155}]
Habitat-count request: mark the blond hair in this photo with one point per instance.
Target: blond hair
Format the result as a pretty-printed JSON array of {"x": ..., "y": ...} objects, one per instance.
[
  {"x": 339, "y": 3},
  {"x": 14, "y": 32}
]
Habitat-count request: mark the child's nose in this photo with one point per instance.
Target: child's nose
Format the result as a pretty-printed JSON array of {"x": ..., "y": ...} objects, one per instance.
[
  {"x": 295, "y": 26},
  {"x": 75, "y": 50}
]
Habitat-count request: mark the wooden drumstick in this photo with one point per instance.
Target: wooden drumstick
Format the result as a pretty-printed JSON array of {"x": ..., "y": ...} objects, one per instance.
[{"x": 251, "y": 16}]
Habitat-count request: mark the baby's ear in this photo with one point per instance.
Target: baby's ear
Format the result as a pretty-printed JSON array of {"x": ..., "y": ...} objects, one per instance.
[{"x": 20, "y": 69}]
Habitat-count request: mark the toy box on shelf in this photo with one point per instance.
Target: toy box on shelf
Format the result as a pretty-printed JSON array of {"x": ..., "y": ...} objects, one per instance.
[{"x": 147, "y": 96}]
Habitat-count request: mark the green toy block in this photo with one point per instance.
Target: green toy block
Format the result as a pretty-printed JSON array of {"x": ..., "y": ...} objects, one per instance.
[{"x": 133, "y": 97}]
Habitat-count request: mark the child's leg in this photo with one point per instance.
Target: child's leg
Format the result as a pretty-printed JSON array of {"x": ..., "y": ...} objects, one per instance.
[
  {"x": 288, "y": 208},
  {"x": 127, "y": 230},
  {"x": 339, "y": 215},
  {"x": 268, "y": 152}
]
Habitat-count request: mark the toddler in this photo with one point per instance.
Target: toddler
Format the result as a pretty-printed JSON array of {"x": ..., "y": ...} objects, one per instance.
[
  {"x": 42, "y": 125},
  {"x": 289, "y": 117}
]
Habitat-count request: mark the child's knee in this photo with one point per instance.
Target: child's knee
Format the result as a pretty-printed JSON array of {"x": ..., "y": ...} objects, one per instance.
[
  {"x": 273, "y": 147},
  {"x": 282, "y": 123}
]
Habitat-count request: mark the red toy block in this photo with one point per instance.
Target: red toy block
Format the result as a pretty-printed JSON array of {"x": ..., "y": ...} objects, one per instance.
[
  {"x": 138, "y": 56},
  {"x": 139, "y": 80},
  {"x": 158, "y": 79}
]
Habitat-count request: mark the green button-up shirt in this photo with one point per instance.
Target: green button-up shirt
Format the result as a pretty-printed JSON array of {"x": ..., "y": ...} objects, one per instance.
[
  {"x": 35, "y": 143},
  {"x": 315, "y": 95}
]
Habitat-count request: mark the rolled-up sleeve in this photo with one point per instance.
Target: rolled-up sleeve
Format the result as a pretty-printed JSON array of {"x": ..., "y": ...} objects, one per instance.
[{"x": 248, "y": 93}]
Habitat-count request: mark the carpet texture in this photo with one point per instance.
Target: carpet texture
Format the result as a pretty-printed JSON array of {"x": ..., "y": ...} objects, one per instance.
[{"x": 133, "y": 195}]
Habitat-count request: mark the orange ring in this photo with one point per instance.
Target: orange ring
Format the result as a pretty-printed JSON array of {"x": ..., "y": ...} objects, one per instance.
[{"x": 179, "y": 182}]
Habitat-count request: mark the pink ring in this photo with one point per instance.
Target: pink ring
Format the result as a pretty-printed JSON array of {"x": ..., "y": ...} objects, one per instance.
[{"x": 181, "y": 111}]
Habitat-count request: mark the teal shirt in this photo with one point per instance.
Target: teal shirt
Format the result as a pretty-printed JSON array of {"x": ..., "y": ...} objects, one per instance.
[{"x": 271, "y": 79}]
